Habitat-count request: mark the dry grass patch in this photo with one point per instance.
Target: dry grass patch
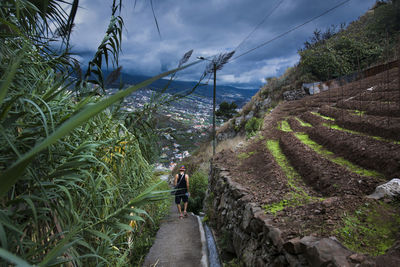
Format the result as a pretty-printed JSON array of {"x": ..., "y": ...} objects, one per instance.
[{"x": 229, "y": 143}]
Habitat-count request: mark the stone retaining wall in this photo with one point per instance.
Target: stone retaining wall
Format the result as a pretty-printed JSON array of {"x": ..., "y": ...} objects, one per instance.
[{"x": 248, "y": 233}]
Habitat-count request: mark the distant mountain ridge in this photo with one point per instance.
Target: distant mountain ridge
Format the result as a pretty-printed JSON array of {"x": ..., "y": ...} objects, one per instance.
[{"x": 224, "y": 92}]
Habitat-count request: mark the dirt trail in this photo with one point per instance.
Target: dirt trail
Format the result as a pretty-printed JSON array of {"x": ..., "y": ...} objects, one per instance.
[{"x": 178, "y": 243}]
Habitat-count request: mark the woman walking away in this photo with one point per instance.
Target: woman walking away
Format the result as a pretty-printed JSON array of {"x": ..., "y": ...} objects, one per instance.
[{"x": 181, "y": 184}]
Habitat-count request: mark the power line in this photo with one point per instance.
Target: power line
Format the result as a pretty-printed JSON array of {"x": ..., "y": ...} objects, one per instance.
[
  {"x": 259, "y": 24},
  {"x": 247, "y": 37},
  {"x": 293, "y": 29},
  {"x": 282, "y": 34}
]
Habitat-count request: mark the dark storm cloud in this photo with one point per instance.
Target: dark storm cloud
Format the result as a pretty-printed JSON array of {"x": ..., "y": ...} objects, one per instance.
[{"x": 210, "y": 27}]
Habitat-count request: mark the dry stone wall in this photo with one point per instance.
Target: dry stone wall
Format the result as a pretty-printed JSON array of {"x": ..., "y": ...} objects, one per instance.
[{"x": 248, "y": 232}]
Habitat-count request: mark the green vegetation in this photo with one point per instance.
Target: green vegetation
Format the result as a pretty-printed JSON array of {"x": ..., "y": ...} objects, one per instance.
[
  {"x": 292, "y": 199},
  {"x": 291, "y": 174},
  {"x": 338, "y": 52},
  {"x": 337, "y": 127},
  {"x": 305, "y": 139},
  {"x": 234, "y": 263},
  {"x": 145, "y": 233},
  {"x": 322, "y": 116},
  {"x": 253, "y": 125},
  {"x": 226, "y": 110},
  {"x": 276, "y": 207},
  {"x": 77, "y": 180},
  {"x": 338, "y": 56},
  {"x": 236, "y": 127},
  {"x": 357, "y": 112},
  {"x": 209, "y": 209},
  {"x": 372, "y": 229},
  {"x": 298, "y": 196},
  {"x": 198, "y": 188},
  {"x": 245, "y": 155},
  {"x": 355, "y": 168},
  {"x": 284, "y": 126},
  {"x": 160, "y": 173},
  {"x": 260, "y": 136},
  {"x": 315, "y": 146},
  {"x": 303, "y": 123}
]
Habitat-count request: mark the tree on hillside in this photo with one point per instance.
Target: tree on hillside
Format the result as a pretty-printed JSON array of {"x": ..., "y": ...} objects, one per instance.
[
  {"x": 371, "y": 39},
  {"x": 319, "y": 36},
  {"x": 226, "y": 110}
]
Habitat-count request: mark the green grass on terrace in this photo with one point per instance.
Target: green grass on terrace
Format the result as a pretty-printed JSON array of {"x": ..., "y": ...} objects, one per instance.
[
  {"x": 356, "y": 112},
  {"x": 322, "y": 116},
  {"x": 337, "y": 127},
  {"x": 305, "y": 139},
  {"x": 245, "y": 155},
  {"x": 284, "y": 126},
  {"x": 303, "y": 123},
  {"x": 298, "y": 196},
  {"x": 371, "y": 229}
]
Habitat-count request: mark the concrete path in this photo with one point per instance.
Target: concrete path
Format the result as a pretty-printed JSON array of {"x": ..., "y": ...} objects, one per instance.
[{"x": 179, "y": 242}]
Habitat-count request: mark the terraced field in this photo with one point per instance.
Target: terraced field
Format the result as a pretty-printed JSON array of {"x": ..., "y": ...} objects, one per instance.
[{"x": 317, "y": 159}]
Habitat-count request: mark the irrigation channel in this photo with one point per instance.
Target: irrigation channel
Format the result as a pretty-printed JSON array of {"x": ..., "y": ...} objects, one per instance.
[{"x": 213, "y": 257}]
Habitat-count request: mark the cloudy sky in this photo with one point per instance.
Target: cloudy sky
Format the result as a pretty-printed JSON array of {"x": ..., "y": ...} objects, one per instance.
[{"x": 210, "y": 27}]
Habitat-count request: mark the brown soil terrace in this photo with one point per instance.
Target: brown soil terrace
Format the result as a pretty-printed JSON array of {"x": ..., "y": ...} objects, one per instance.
[{"x": 368, "y": 135}]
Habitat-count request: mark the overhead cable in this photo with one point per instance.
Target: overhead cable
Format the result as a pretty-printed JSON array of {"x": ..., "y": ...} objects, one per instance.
[
  {"x": 259, "y": 24},
  {"x": 288, "y": 31}
]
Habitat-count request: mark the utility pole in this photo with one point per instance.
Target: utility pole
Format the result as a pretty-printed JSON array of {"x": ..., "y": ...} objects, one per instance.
[{"x": 214, "y": 97}]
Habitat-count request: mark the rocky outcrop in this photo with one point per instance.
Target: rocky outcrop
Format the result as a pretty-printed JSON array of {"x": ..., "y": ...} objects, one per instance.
[
  {"x": 263, "y": 105},
  {"x": 249, "y": 233},
  {"x": 227, "y": 134},
  {"x": 390, "y": 189},
  {"x": 293, "y": 95}
]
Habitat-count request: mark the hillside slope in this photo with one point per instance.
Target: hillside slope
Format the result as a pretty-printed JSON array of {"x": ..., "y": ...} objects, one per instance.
[
  {"x": 334, "y": 55},
  {"x": 316, "y": 160}
]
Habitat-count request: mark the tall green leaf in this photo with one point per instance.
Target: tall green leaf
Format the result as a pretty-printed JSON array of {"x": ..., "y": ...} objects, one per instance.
[{"x": 11, "y": 175}]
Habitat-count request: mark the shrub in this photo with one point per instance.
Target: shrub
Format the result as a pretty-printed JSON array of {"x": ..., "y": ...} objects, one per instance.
[
  {"x": 76, "y": 183},
  {"x": 253, "y": 125},
  {"x": 142, "y": 239},
  {"x": 370, "y": 39},
  {"x": 198, "y": 187}
]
